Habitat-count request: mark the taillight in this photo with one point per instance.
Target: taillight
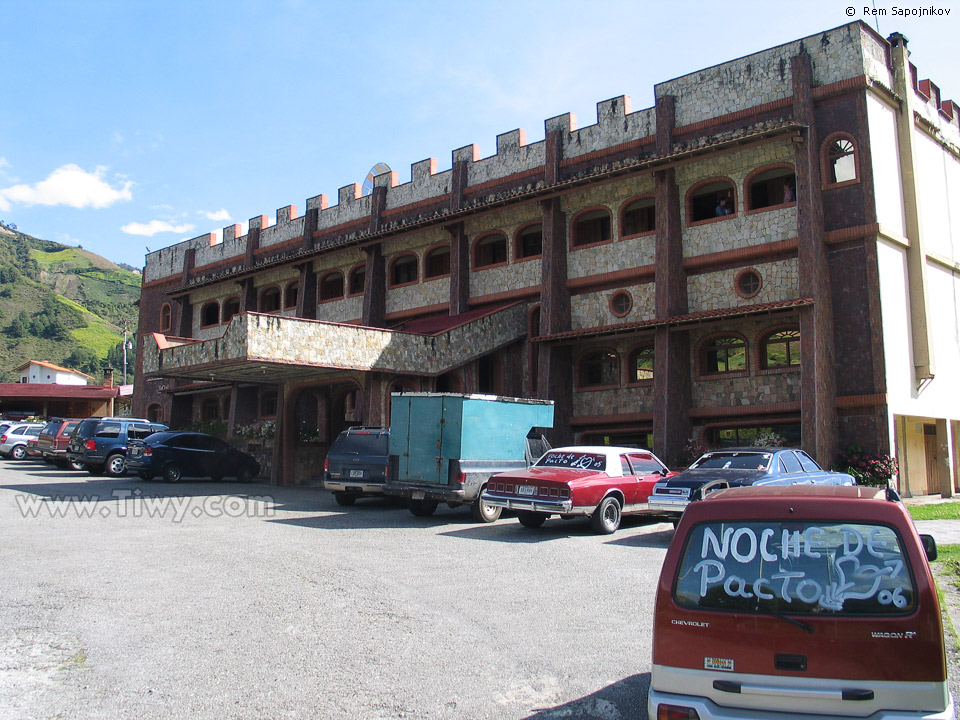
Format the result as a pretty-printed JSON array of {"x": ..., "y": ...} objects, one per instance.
[
  {"x": 147, "y": 452},
  {"x": 326, "y": 464},
  {"x": 3, "y": 438},
  {"x": 91, "y": 444},
  {"x": 676, "y": 712}
]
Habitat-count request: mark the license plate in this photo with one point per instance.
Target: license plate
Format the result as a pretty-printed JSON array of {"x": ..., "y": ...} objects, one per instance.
[
  {"x": 417, "y": 495},
  {"x": 356, "y": 473},
  {"x": 527, "y": 490}
]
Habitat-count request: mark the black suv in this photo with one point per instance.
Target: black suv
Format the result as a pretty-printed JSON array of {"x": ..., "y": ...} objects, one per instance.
[
  {"x": 356, "y": 465},
  {"x": 100, "y": 443}
]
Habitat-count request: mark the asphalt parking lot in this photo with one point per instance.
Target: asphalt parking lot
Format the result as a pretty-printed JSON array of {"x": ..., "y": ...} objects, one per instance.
[{"x": 131, "y": 599}]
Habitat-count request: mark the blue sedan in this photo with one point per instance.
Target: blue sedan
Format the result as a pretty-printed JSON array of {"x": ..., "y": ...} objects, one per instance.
[
  {"x": 189, "y": 454},
  {"x": 737, "y": 467}
]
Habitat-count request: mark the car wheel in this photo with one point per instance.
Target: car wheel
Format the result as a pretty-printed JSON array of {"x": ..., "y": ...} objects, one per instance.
[
  {"x": 144, "y": 475},
  {"x": 422, "y": 508},
  {"x": 245, "y": 475},
  {"x": 531, "y": 519},
  {"x": 344, "y": 499},
  {"x": 606, "y": 518},
  {"x": 172, "y": 473},
  {"x": 116, "y": 465},
  {"x": 94, "y": 469},
  {"x": 481, "y": 512},
  {"x": 18, "y": 453},
  {"x": 77, "y": 465}
]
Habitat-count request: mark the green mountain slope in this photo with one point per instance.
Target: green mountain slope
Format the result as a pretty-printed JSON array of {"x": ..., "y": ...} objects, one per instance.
[{"x": 64, "y": 305}]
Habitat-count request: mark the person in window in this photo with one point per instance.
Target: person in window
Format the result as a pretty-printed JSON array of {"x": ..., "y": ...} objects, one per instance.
[
  {"x": 723, "y": 206},
  {"x": 788, "y": 194}
]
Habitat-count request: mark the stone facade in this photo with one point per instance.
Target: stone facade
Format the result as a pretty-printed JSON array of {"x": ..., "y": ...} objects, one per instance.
[{"x": 565, "y": 318}]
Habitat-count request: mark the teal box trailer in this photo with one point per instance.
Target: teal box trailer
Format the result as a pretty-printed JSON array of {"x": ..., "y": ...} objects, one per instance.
[{"x": 445, "y": 446}]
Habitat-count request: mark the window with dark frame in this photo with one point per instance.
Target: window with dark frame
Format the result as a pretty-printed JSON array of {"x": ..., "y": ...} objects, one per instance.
[
  {"x": 749, "y": 283},
  {"x": 639, "y": 217},
  {"x": 270, "y": 300},
  {"x": 437, "y": 262},
  {"x": 621, "y": 303},
  {"x": 358, "y": 278},
  {"x": 591, "y": 228},
  {"x": 530, "y": 242},
  {"x": 331, "y": 286},
  {"x": 777, "y": 186},
  {"x": 712, "y": 200},
  {"x": 491, "y": 250},
  {"x": 290, "y": 295},
  {"x": 210, "y": 410},
  {"x": 781, "y": 349},
  {"x": 268, "y": 404},
  {"x": 599, "y": 369},
  {"x": 841, "y": 161},
  {"x": 725, "y": 354},
  {"x": 210, "y": 314},
  {"x": 404, "y": 270},
  {"x": 165, "y": 318},
  {"x": 231, "y": 307},
  {"x": 641, "y": 364}
]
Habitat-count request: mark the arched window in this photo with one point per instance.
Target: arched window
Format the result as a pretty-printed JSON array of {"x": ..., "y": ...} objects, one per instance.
[
  {"x": 640, "y": 365},
  {"x": 403, "y": 270},
  {"x": 724, "y": 354},
  {"x": 231, "y": 307},
  {"x": 290, "y": 296},
  {"x": 711, "y": 199},
  {"x": 591, "y": 227},
  {"x": 331, "y": 286},
  {"x": 155, "y": 412},
  {"x": 210, "y": 314},
  {"x": 780, "y": 349},
  {"x": 358, "y": 277},
  {"x": 166, "y": 317},
  {"x": 529, "y": 242},
  {"x": 270, "y": 300},
  {"x": 600, "y": 368},
  {"x": 490, "y": 250},
  {"x": 437, "y": 262},
  {"x": 839, "y": 161},
  {"x": 268, "y": 404},
  {"x": 771, "y": 188},
  {"x": 638, "y": 217}
]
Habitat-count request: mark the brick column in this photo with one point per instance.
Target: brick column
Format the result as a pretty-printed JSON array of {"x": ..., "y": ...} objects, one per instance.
[
  {"x": 672, "y": 383},
  {"x": 818, "y": 413},
  {"x": 459, "y": 269},
  {"x": 307, "y": 297},
  {"x": 375, "y": 288}
]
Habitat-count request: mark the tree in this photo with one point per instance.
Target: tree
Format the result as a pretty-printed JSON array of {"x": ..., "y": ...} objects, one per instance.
[{"x": 20, "y": 327}]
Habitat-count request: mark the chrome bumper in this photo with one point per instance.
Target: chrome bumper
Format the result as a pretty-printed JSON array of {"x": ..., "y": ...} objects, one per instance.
[
  {"x": 667, "y": 505},
  {"x": 511, "y": 502},
  {"x": 353, "y": 486}
]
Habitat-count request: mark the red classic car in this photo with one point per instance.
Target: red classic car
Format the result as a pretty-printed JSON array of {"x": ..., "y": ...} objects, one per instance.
[{"x": 600, "y": 482}]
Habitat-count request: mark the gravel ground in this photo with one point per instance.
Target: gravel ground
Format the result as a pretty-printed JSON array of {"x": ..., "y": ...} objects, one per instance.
[
  {"x": 215, "y": 600},
  {"x": 229, "y": 606}
]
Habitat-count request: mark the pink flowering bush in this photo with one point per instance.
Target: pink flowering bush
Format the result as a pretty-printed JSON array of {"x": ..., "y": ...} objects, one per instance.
[{"x": 866, "y": 468}]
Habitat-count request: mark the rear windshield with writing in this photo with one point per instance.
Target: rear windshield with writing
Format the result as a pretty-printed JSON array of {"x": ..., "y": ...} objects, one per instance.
[
  {"x": 575, "y": 460},
  {"x": 768, "y": 567},
  {"x": 738, "y": 461}
]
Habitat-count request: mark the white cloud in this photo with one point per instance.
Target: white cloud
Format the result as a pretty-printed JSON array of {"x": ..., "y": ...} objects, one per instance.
[
  {"x": 220, "y": 215},
  {"x": 155, "y": 226},
  {"x": 68, "y": 185}
]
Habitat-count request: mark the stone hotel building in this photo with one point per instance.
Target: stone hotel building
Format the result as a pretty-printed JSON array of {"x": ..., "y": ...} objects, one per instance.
[{"x": 772, "y": 247}]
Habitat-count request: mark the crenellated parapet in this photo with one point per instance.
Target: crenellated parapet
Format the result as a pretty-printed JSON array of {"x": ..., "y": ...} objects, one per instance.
[{"x": 730, "y": 102}]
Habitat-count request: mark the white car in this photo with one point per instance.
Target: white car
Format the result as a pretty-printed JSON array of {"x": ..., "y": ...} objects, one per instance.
[{"x": 13, "y": 441}]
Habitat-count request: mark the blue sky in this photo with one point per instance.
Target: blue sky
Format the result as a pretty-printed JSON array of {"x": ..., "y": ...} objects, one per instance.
[{"x": 127, "y": 125}]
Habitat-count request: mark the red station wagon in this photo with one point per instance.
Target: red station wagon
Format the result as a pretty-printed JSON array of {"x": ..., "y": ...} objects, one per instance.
[
  {"x": 801, "y": 602},
  {"x": 600, "y": 482}
]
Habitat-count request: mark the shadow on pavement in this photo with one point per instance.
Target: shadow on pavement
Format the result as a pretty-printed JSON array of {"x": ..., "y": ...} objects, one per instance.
[{"x": 626, "y": 698}]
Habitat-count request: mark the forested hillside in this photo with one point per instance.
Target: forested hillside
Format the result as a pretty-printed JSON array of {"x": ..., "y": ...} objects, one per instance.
[{"x": 63, "y": 305}]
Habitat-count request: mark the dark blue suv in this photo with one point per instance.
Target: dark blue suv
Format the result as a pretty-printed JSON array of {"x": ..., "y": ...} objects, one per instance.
[{"x": 100, "y": 443}]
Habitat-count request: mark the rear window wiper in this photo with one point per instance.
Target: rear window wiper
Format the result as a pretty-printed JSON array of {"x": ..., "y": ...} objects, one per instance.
[{"x": 791, "y": 620}]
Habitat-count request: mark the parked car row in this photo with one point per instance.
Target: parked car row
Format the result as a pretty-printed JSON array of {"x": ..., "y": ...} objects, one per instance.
[{"x": 114, "y": 445}]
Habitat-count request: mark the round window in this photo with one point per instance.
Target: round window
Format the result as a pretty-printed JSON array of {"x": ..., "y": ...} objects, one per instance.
[
  {"x": 748, "y": 283},
  {"x": 620, "y": 303}
]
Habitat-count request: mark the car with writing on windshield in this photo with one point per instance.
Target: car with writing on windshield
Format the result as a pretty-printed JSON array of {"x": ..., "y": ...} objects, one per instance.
[
  {"x": 602, "y": 483},
  {"x": 175, "y": 455},
  {"x": 798, "y": 601},
  {"x": 738, "y": 467}
]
